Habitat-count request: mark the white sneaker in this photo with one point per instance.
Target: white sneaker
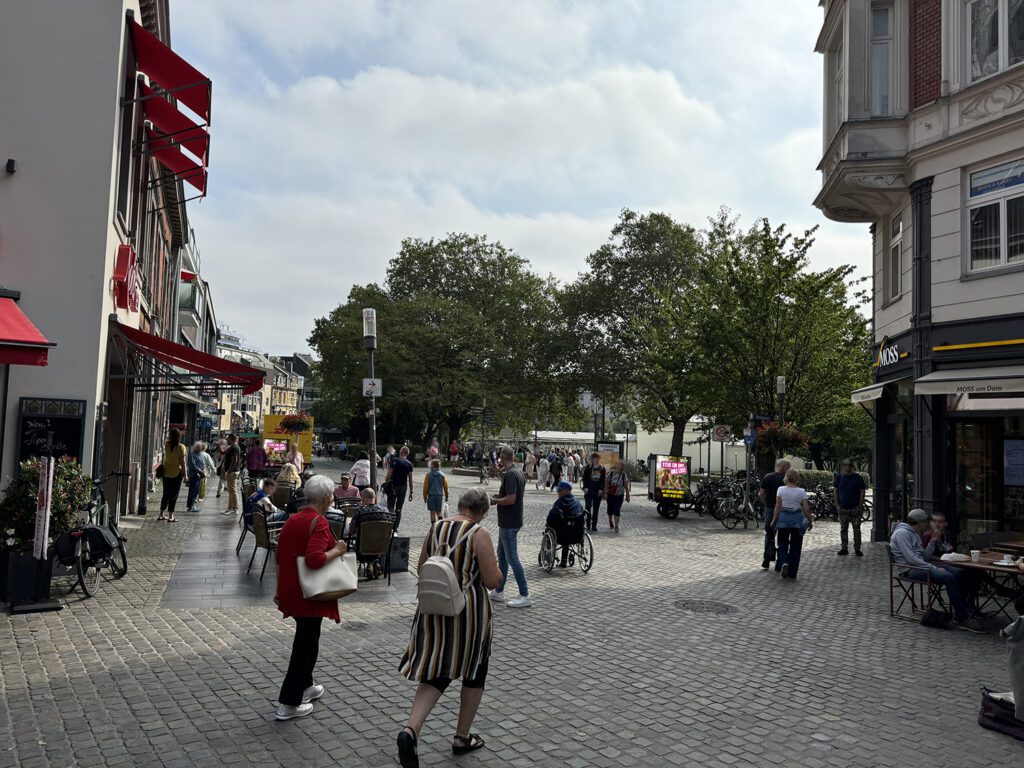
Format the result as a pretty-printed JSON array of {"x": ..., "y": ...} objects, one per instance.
[
  {"x": 314, "y": 692},
  {"x": 286, "y": 712},
  {"x": 498, "y": 597},
  {"x": 523, "y": 601}
]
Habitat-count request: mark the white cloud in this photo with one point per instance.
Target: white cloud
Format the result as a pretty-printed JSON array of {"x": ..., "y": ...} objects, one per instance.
[{"x": 342, "y": 127}]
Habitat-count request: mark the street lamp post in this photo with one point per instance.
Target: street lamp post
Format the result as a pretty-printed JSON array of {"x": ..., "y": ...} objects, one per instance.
[
  {"x": 780, "y": 388},
  {"x": 370, "y": 342}
]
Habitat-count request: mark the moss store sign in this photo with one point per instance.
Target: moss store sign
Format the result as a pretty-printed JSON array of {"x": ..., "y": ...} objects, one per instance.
[{"x": 890, "y": 353}]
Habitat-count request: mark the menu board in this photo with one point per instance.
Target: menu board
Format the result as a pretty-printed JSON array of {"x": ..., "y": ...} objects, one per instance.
[
  {"x": 672, "y": 476},
  {"x": 1013, "y": 462},
  {"x": 48, "y": 426},
  {"x": 609, "y": 453}
]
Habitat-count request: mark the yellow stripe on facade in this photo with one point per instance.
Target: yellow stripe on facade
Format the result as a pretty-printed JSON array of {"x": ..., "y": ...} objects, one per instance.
[{"x": 977, "y": 345}]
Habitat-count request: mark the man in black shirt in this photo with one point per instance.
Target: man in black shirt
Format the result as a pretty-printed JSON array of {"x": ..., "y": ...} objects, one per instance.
[
  {"x": 400, "y": 477},
  {"x": 555, "y": 465},
  {"x": 593, "y": 488},
  {"x": 232, "y": 464},
  {"x": 509, "y": 502},
  {"x": 770, "y": 485}
]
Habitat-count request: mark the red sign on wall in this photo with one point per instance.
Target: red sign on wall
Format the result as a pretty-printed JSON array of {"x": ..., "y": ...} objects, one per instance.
[{"x": 126, "y": 279}]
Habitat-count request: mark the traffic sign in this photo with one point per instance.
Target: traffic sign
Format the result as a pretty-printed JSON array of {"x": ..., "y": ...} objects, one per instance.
[
  {"x": 749, "y": 440},
  {"x": 216, "y": 411},
  {"x": 721, "y": 433},
  {"x": 761, "y": 417},
  {"x": 372, "y": 388}
]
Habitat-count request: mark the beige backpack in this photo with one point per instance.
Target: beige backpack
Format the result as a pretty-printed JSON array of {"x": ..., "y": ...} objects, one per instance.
[{"x": 438, "y": 590}]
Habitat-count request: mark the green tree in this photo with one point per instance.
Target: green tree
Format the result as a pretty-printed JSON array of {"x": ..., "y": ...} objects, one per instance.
[
  {"x": 772, "y": 315},
  {"x": 630, "y": 357},
  {"x": 460, "y": 320}
]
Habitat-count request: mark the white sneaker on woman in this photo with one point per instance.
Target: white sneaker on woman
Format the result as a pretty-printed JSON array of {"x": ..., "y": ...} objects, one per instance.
[
  {"x": 314, "y": 692},
  {"x": 523, "y": 601},
  {"x": 286, "y": 712},
  {"x": 498, "y": 597}
]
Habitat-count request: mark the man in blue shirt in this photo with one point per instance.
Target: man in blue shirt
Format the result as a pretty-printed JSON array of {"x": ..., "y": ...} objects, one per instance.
[{"x": 848, "y": 495}]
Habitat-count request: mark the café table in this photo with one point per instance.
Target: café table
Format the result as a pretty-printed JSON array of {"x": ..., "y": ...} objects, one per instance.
[
  {"x": 999, "y": 584},
  {"x": 1013, "y": 547}
]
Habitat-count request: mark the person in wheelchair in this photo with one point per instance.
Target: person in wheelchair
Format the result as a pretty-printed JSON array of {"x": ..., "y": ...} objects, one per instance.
[{"x": 566, "y": 518}]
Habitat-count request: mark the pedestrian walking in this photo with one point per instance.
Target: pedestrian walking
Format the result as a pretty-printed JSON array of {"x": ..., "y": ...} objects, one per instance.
[
  {"x": 209, "y": 470},
  {"x": 509, "y": 502},
  {"x": 231, "y": 465},
  {"x": 256, "y": 459},
  {"x": 306, "y": 534},
  {"x": 222, "y": 452},
  {"x": 529, "y": 465},
  {"x": 443, "y": 648},
  {"x": 555, "y": 467},
  {"x": 616, "y": 491},
  {"x": 848, "y": 495},
  {"x": 570, "y": 467},
  {"x": 435, "y": 491},
  {"x": 174, "y": 468},
  {"x": 361, "y": 471},
  {"x": 400, "y": 477},
  {"x": 770, "y": 485},
  {"x": 453, "y": 452},
  {"x": 294, "y": 456},
  {"x": 542, "y": 472},
  {"x": 342, "y": 450},
  {"x": 196, "y": 469},
  {"x": 791, "y": 520},
  {"x": 593, "y": 489}
]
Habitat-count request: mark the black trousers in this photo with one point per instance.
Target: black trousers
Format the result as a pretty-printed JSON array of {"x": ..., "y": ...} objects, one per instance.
[
  {"x": 592, "y": 504},
  {"x": 396, "y": 500},
  {"x": 305, "y": 649},
  {"x": 169, "y": 497}
]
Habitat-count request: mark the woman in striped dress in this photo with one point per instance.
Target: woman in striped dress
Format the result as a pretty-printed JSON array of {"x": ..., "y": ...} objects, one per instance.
[{"x": 442, "y": 648}]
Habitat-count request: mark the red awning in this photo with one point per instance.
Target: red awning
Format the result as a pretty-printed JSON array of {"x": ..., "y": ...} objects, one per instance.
[
  {"x": 175, "y": 125},
  {"x": 180, "y": 356},
  {"x": 21, "y": 343},
  {"x": 171, "y": 72},
  {"x": 174, "y": 160}
]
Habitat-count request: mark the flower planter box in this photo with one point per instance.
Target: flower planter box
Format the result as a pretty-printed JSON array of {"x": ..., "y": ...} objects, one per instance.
[{"x": 23, "y": 579}]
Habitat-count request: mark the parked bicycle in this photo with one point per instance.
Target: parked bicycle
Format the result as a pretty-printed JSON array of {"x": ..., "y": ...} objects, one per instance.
[{"x": 94, "y": 544}]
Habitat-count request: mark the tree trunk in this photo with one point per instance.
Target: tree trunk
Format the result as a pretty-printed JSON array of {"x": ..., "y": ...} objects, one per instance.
[
  {"x": 678, "y": 432},
  {"x": 817, "y": 454}
]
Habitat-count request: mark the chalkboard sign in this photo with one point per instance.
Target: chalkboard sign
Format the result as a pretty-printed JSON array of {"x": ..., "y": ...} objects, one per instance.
[{"x": 39, "y": 417}]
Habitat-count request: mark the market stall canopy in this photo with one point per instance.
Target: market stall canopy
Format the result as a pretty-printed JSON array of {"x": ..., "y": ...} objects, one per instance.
[
  {"x": 972, "y": 381},
  {"x": 21, "y": 343},
  {"x": 162, "y": 365}
]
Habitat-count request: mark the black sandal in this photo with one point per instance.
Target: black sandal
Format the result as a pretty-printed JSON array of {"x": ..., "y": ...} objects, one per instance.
[
  {"x": 407, "y": 749},
  {"x": 470, "y": 743}
]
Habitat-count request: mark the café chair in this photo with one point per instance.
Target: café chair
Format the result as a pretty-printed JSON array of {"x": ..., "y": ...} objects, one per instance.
[
  {"x": 282, "y": 495},
  {"x": 921, "y": 595},
  {"x": 266, "y": 538},
  {"x": 373, "y": 543}
]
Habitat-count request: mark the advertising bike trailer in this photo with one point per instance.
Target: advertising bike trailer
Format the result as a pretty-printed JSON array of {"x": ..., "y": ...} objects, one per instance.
[{"x": 668, "y": 484}]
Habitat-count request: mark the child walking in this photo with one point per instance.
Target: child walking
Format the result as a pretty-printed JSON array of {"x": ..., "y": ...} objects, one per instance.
[{"x": 435, "y": 491}]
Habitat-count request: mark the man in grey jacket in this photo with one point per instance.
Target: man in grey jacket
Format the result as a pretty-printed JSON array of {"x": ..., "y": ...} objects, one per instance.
[{"x": 907, "y": 549}]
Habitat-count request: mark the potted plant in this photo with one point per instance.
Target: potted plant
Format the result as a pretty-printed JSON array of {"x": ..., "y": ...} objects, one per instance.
[{"x": 21, "y": 577}]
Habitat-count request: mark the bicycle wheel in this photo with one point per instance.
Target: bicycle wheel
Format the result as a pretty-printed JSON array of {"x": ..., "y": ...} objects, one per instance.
[
  {"x": 586, "y": 553},
  {"x": 118, "y": 561},
  {"x": 88, "y": 573},
  {"x": 727, "y": 514}
]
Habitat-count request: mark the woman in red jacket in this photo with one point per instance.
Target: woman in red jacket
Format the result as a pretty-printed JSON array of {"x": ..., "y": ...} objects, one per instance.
[{"x": 306, "y": 534}]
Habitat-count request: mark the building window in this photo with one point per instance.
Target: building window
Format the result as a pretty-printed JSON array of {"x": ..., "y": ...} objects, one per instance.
[
  {"x": 995, "y": 211},
  {"x": 894, "y": 259},
  {"x": 995, "y": 36},
  {"x": 837, "y": 111},
  {"x": 881, "y": 59}
]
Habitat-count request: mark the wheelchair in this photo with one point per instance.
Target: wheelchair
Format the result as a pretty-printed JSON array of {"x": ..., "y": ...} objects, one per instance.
[{"x": 574, "y": 537}]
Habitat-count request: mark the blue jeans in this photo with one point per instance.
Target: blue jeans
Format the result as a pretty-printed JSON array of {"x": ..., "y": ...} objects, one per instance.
[
  {"x": 769, "y": 540},
  {"x": 791, "y": 544},
  {"x": 951, "y": 581},
  {"x": 508, "y": 554},
  {"x": 193, "y": 490}
]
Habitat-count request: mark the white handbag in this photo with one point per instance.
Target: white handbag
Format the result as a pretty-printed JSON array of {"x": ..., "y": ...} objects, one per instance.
[{"x": 336, "y": 579}]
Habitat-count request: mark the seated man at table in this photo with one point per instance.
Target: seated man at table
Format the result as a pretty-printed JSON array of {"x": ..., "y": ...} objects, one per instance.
[
  {"x": 908, "y": 549},
  {"x": 938, "y": 532},
  {"x": 344, "y": 489},
  {"x": 566, "y": 516},
  {"x": 367, "y": 512}
]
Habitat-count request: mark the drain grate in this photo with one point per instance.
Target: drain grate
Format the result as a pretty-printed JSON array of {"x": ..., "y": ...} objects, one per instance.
[{"x": 704, "y": 608}]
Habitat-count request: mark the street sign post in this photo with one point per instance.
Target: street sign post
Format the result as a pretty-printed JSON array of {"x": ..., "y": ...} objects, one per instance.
[
  {"x": 372, "y": 387},
  {"x": 721, "y": 433}
]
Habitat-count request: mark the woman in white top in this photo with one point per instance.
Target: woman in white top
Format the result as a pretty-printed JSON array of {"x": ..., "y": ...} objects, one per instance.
[
  {"x": 529, "y": 462},
  {"x": 791, "y": 519},
  {"x": 361, "y": 471}
]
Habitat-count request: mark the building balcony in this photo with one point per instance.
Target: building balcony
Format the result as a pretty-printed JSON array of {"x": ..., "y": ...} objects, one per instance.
[
  {"x": 863, "y": 170},
  {"x": 191, "y": 304}
]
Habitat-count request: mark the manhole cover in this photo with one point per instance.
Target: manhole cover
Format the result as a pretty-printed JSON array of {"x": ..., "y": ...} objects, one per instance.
[
  {"x": 704, "y": 607},
  {"x": 357, "y": 626}
]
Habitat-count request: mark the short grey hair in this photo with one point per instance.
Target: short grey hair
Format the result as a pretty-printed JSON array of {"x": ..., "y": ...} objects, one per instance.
[
  {"x": 318, "y": 488},
  {"x": 917, "y": 516},
  {"x": 368, "y": 495},
  {"x": 474, "y": 501},
  {"x": 781, "y": 466},
  {"x": 507, "y": 453}
]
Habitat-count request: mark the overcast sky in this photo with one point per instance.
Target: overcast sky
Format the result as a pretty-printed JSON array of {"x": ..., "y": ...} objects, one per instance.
[{"x": 342, "y": 126}]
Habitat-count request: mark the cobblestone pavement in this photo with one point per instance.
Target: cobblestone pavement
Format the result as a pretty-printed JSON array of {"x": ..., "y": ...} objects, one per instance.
[{"x": 605, "y": 670}]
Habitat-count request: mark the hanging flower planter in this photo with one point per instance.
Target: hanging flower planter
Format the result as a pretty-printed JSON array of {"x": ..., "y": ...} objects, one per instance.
[{"x": 295, "y": 423}]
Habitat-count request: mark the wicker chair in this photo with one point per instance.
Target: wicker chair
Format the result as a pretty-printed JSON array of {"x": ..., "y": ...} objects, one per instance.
[
  {"x": 282, "y": 495},
  {"x": 266, "y": 538},
  {"x": 374, "y": 542}
]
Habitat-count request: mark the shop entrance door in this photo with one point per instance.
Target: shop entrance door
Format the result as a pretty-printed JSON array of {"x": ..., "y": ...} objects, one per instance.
[{"x": 900, "y": 447}]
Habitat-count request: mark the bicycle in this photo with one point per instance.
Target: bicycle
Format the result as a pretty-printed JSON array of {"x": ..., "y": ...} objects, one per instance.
[
  {"x": 732, "y": 511},
  {"x": 94, "y": 544}
]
